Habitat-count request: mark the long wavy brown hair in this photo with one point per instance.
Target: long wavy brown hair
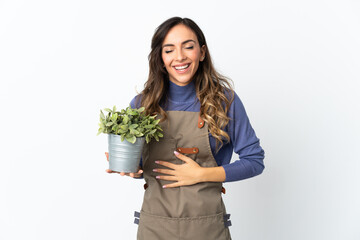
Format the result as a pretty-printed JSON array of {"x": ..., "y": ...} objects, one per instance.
[{"x": 213, "y": 90}]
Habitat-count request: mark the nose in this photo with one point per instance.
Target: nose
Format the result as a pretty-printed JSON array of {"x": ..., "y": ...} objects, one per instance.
[{"x": 180, "y": 55}]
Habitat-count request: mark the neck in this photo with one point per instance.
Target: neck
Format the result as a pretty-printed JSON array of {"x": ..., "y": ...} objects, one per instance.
[{"x": 185, "y": 93}]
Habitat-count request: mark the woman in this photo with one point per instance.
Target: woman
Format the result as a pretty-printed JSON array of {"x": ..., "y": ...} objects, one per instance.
[{"x": 204, "y": 121}]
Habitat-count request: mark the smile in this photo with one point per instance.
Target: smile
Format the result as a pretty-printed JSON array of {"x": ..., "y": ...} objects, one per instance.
[{"x": 181, "y": 68}]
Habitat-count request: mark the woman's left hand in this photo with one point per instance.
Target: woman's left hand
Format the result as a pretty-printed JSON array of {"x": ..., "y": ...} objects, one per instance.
[{"x": 188, "y": 173}]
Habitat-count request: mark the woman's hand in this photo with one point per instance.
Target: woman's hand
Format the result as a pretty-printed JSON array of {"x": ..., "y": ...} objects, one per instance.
[
  {"x": 133, "y": 175},
  {"x": 188, "y": 173}
]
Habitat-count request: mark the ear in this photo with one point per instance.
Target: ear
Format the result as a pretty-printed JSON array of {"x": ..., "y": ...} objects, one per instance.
[{"x": 202, "y": 53}]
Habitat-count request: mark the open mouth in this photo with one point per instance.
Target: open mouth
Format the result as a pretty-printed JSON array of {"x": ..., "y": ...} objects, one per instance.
[{"x": 182, "y": 68}]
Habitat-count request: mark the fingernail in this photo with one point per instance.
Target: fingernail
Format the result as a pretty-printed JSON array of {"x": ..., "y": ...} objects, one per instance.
[
  {"x": 154, "y": 170},
  {"x": 176, "y": 153},
  {"x": 156, "y": 161},
  {"x": 164, "y": 186},
  {"x": 157, "y": 177}
]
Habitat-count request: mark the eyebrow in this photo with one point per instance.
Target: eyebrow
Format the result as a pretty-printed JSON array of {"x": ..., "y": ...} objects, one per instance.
[{"x": 172, "y": 45}]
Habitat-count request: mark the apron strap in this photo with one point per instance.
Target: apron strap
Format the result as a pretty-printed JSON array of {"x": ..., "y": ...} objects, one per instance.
[
  {"x": 188, "y": 150},
  {"x": 137, "y": 216},
  {"x": 227, "y": 221},
  {"x": 201, "y": 122}
]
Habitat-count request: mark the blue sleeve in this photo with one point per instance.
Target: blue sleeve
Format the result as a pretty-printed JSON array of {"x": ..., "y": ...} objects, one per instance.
[
  {"x": 245, "y": 144},
  {"x": 136, "y": 102}
]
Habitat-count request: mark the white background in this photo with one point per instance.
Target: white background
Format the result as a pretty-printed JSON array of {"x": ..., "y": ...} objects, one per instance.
[{"x": 295, "y": 65}]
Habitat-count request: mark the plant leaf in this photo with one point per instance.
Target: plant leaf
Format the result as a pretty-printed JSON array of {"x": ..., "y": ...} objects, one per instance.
[
  {"x": 114, "y": 117},
  {"x": 108, "y": 110},
  {"x": 121, "y": 131},
  {"x": 115, "y": 128},
  {"x": 132, "y": 131},
  {"x": 102, "y": 116},
  {"x": 126, "y": 119},
  {"x": 130, "y": 138},
  {"x": 134, "y": 125},
  {"x": 124, "y": 127},
  {"x": 152, "y": 131}
]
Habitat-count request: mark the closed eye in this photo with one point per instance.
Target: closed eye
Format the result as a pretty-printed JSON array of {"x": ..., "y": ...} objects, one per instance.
[
  {"x": 168, "y": 51},
  {"x": 191, "y": 47}
]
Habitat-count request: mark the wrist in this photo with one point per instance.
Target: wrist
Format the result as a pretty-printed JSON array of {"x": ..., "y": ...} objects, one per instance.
[
  {"x": 202, "y": 174},
  {"x": 212, "y": 174}
]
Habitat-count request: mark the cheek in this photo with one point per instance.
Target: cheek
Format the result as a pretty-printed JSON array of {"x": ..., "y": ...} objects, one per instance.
[
  {"x": 195, "y": 56},
  {"x": 165, "y": 59},
  {"x": 166, "y": 63}
]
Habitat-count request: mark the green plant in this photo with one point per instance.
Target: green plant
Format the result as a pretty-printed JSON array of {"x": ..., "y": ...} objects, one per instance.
[{"x": 130, "y": 124}]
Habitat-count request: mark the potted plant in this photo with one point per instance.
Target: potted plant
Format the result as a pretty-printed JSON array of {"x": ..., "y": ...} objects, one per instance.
[{"x": 128, "y": 130}]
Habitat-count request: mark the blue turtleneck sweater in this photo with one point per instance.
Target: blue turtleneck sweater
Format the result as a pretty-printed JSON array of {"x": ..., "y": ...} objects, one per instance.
[{"x": 243, "y": 140}]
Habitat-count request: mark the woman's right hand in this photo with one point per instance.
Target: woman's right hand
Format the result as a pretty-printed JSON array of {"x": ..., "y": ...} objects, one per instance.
[{"x": 138, "y": 174}]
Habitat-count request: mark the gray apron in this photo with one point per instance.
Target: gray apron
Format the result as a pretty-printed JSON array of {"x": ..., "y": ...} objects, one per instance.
[{"x": 187, "y": 212}]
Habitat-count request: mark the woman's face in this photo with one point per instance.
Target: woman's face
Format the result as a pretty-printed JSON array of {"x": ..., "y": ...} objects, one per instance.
[{"x": 181, "y": 54}]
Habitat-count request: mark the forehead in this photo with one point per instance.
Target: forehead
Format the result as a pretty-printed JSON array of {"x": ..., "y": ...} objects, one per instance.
[{"x": 179, "y": 34}]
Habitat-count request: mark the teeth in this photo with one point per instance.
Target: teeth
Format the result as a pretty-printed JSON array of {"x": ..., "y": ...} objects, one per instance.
[{"x": 182, "y": 67}]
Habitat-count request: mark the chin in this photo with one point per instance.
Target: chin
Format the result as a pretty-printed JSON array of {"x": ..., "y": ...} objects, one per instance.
[{"x": 181, "y": 82}]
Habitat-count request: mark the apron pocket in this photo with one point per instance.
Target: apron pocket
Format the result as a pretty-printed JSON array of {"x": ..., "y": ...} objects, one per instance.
[
  {"x": 152, "y": 227},
  {"x": 204, "y": 228}
]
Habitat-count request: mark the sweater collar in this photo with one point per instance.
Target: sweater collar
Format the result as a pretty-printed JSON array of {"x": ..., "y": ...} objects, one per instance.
[{"x": 182, "y": 93}]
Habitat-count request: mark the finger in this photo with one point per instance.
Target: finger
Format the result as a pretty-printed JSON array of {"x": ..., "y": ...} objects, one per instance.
[
  {"x": 111, "y": 171},
  {"x": 165, "y": 171},
  {"x": 168, "y": 178},
  {"x": 167, "y": 164},
  {"x": 107, "y": 155},
  {"x": 138, "y": 174},
  {"x": 172, "y": 185},
  {"x": 124, "y": 174},
  {"x": 183, "y": 157}
]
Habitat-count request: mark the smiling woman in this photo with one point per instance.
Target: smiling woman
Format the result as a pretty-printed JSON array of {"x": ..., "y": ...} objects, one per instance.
[
  {"x": 203, "y": 122},
  {"x": 181, "y": 54}
]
